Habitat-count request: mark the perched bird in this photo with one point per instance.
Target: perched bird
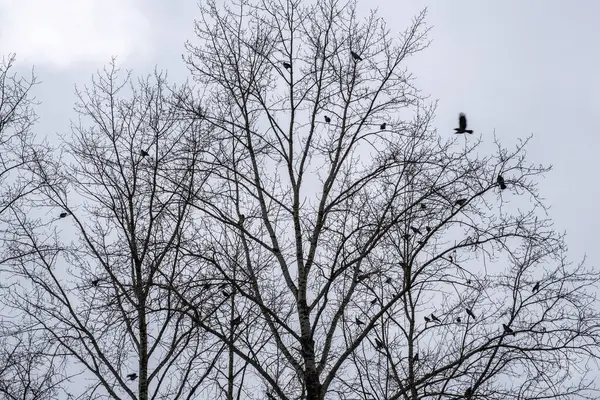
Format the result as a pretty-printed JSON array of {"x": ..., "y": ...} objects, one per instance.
[
  {"x": 451, "y": 259},
  {"x": 144, "y": 153},
  {"x": 415, "y": 230},
  {"x": 225, "y": 293},
  {"x": 458, "y": 320},
  {"x": 428, "y": 228},
  {"x": 378, "y": 344},
  {"x": 462, "y": 124},
  {"x": 358, "y": 322},
  {"x": 536, "y": 287},
  {"x": 207, "y": 285},
  {"x": 327, "y": 119},
  {"x": 423, "y": 206},
  {"x": 355, "y": 56},
  {"x": 470, "y": 313},
  {"x": 406, "y": 236},
  {"x": 433, "y": 317},
  {"x": 287, "y": 65},
  {"x": 427, "y": 319},
  {"x": 383, "y": 126},
  {"x": 63, "y": 214},
  {"x": 460, "y": 202},
  {"x": 236, "y": 321},
  {"x": 468, "y": 281},
  {"x": 416, "y": 357},
  {"x": 132, "y": 377},
  {"x": 95, "y": 282},
  {"x": 468, "y": 393},
  {"x": 500, "y": 181},
  {"x": 507, "y": 329},
  {"x": 374, "y": 301},
  {"x": 388, "y": 280}
]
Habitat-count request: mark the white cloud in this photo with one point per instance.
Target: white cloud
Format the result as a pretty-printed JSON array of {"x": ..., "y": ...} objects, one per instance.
[{"x": 64, "y": 32}]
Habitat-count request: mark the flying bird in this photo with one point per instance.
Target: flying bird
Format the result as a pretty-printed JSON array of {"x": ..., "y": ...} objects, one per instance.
[
  {"x": 63, "y": 214},
  {"x": 500, "y": 181},
  {"x": 536, "y": 287},
  {"x": 383, "y": 126},
  {"x": 470, "y": 313},
  {"x": 132, "y": 377},
  {"x": 415, "y": 230},
  {"x": 144, "y": 153},
  {"x": 287, "y": 65},
  {"x": 327, "y": 119},
  {"x": 433, "y": 317},
  {"x": 462, "y": 124},
  {"x": 460, "y": 202},
  {"x": 359, "y": 322},
  {"x": 355, "y": 56},
  {"x": 507, "y": 329}
]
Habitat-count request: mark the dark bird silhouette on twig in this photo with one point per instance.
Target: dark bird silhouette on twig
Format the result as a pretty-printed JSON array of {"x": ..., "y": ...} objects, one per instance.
[
  {"x": 63, "y": 215},
  {"x": 225, "y": 293},
  {"x": 415, "y": 230},
  {"x": 462, "y": 124},
  {"x": 355, "y": 56},
  {"x": 132, "y": 377},
  {"x": 500, "y": 181},
  {"x": 406, "y": 236},
  {"x": 433, "y": 317},
  {"x": 416, "y": 357},
  {"x": 287, "y": 65},
  {"x": 423, "y": 206},
  {"x": 508, "y": 330},
  {"x": 144, "y": 153},
  {"x": 470, "y": 313},
  {"x": 359, "y": 322},
  {"x": 460, "y": 202},
  {"x": 327, "y": 119},
  {"x": 428, "y": 228},
  {"x": 427, "y": 319},
  {"x": 95, "y": 282},
  {"x": 374, "y": 301},
  {"x": 458, "y": 319},
  {"x": 236, "y": 321},
  {"x": 378, "y": 344},
  {"x": 536, "y": 287},
  {"x": 383, "y": 126},
  {"x": 206, "y": 286}
]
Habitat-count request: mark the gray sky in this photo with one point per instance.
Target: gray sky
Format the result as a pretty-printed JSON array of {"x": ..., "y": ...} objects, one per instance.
[{"x": 516, "y": 67}]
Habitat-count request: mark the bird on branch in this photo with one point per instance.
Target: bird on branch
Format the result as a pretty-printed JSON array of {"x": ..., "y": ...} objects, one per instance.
[{"x": 462, "y": 124}]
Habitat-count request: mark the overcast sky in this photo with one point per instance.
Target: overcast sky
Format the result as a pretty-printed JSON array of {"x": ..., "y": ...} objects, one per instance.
[{"x": 516, "y": 67}]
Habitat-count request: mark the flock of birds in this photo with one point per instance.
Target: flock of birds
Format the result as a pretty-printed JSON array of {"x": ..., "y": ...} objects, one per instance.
[{"x": 462, "y": 129}]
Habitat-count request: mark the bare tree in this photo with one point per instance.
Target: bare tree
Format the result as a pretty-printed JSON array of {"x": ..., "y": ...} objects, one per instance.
[
  {"x": 355, "y": 237},
  {"x": 89, "y": 273}
]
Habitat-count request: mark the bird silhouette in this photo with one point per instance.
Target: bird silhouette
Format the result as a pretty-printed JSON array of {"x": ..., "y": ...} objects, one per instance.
[
  {"x": 242, "y": 219},
  {"x": 416, "y": 357},
  {"x": 427, "y": 319},
  {"x": 433, "y": 317},
  {"x": 470, "y": 313},
  {"x": 507, "y": 329},
  {"x": 536, "y": 287},
  {"x": 423, "y": 206},
  {"x": 132, "y": 377},
  {"x": 236, "y": 321},
  {"x": 458, "y": 320},
  {"x": 374, "y": 301},
  {"x": 451, "y": 259},
  {"x": 468, "y": 393},
  {"x": 358, "y": 322},
  {"x": 63, "y": 214},
  {"x": 327, "y": 119},
  {"x": 95, "y": 282},
  {"x": 500, "y": 181},
  {"x": 460, "y": 202},
  {"x": 287, "y": 65},
  {"x": 355, "y": 56},
  {"x": 406, "y": 236},
  {"x": 207, "y": 285},
  {"x": 378, "y": 344},
  {"x": 415, "y": 230},
  {"x": 383, "y": 126},
  {"x": 388, "y": 280},
  {"x": 428, "y": 229},
  {"x": 144, "y": 153},
  {"x": 462, "y": 124},
  {"x": 225, "y": 293}
]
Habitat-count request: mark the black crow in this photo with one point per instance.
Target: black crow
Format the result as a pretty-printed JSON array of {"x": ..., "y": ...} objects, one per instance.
[
  {"x": 374, "y": 301},
  {"x": 287, "y": 65},
  {"x": 468, "y": 393},
  {"x": 358, "y": 322},
  {"x": 460, "y": 202},
  {"x": 63, "y": 215},
  {"x": 406, "y": 236},
  {"x": 95, "y": 282},
  {"x": 428, "y": 229},
  {"x": 416, "y": 357},
  {"x": 500, "y": 181},
  {"x": 451, "y": 259},
  {"x": 223, "y": 285},
  {"x": 415, "y": 230},
  {"x": 458, "y": 320},
  {"x": 378, "y": 344},
  {"x": 462, "y": 124},
  {"x": 470, "y": 313},
  {"x": 383, "y": 126},
  {"x": 388, "y": 280},
  {"x": 427, "y": 319},
  {"x": 207, "y": 285},
  {"x": 236, "y": 321},
  {"x": 144, "y": 153},
  {"x": 433, "y": 317},
  {"x": 468, "y": 281},
  {"x": 423, "y": 206},
  {"x": 327, "y": 119},
  {"x": 507, "y": 329},
  {"x": 355, "y": 56},
  {"x": 132, "y": 377},
  {"x": 536, "y": 287}
]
